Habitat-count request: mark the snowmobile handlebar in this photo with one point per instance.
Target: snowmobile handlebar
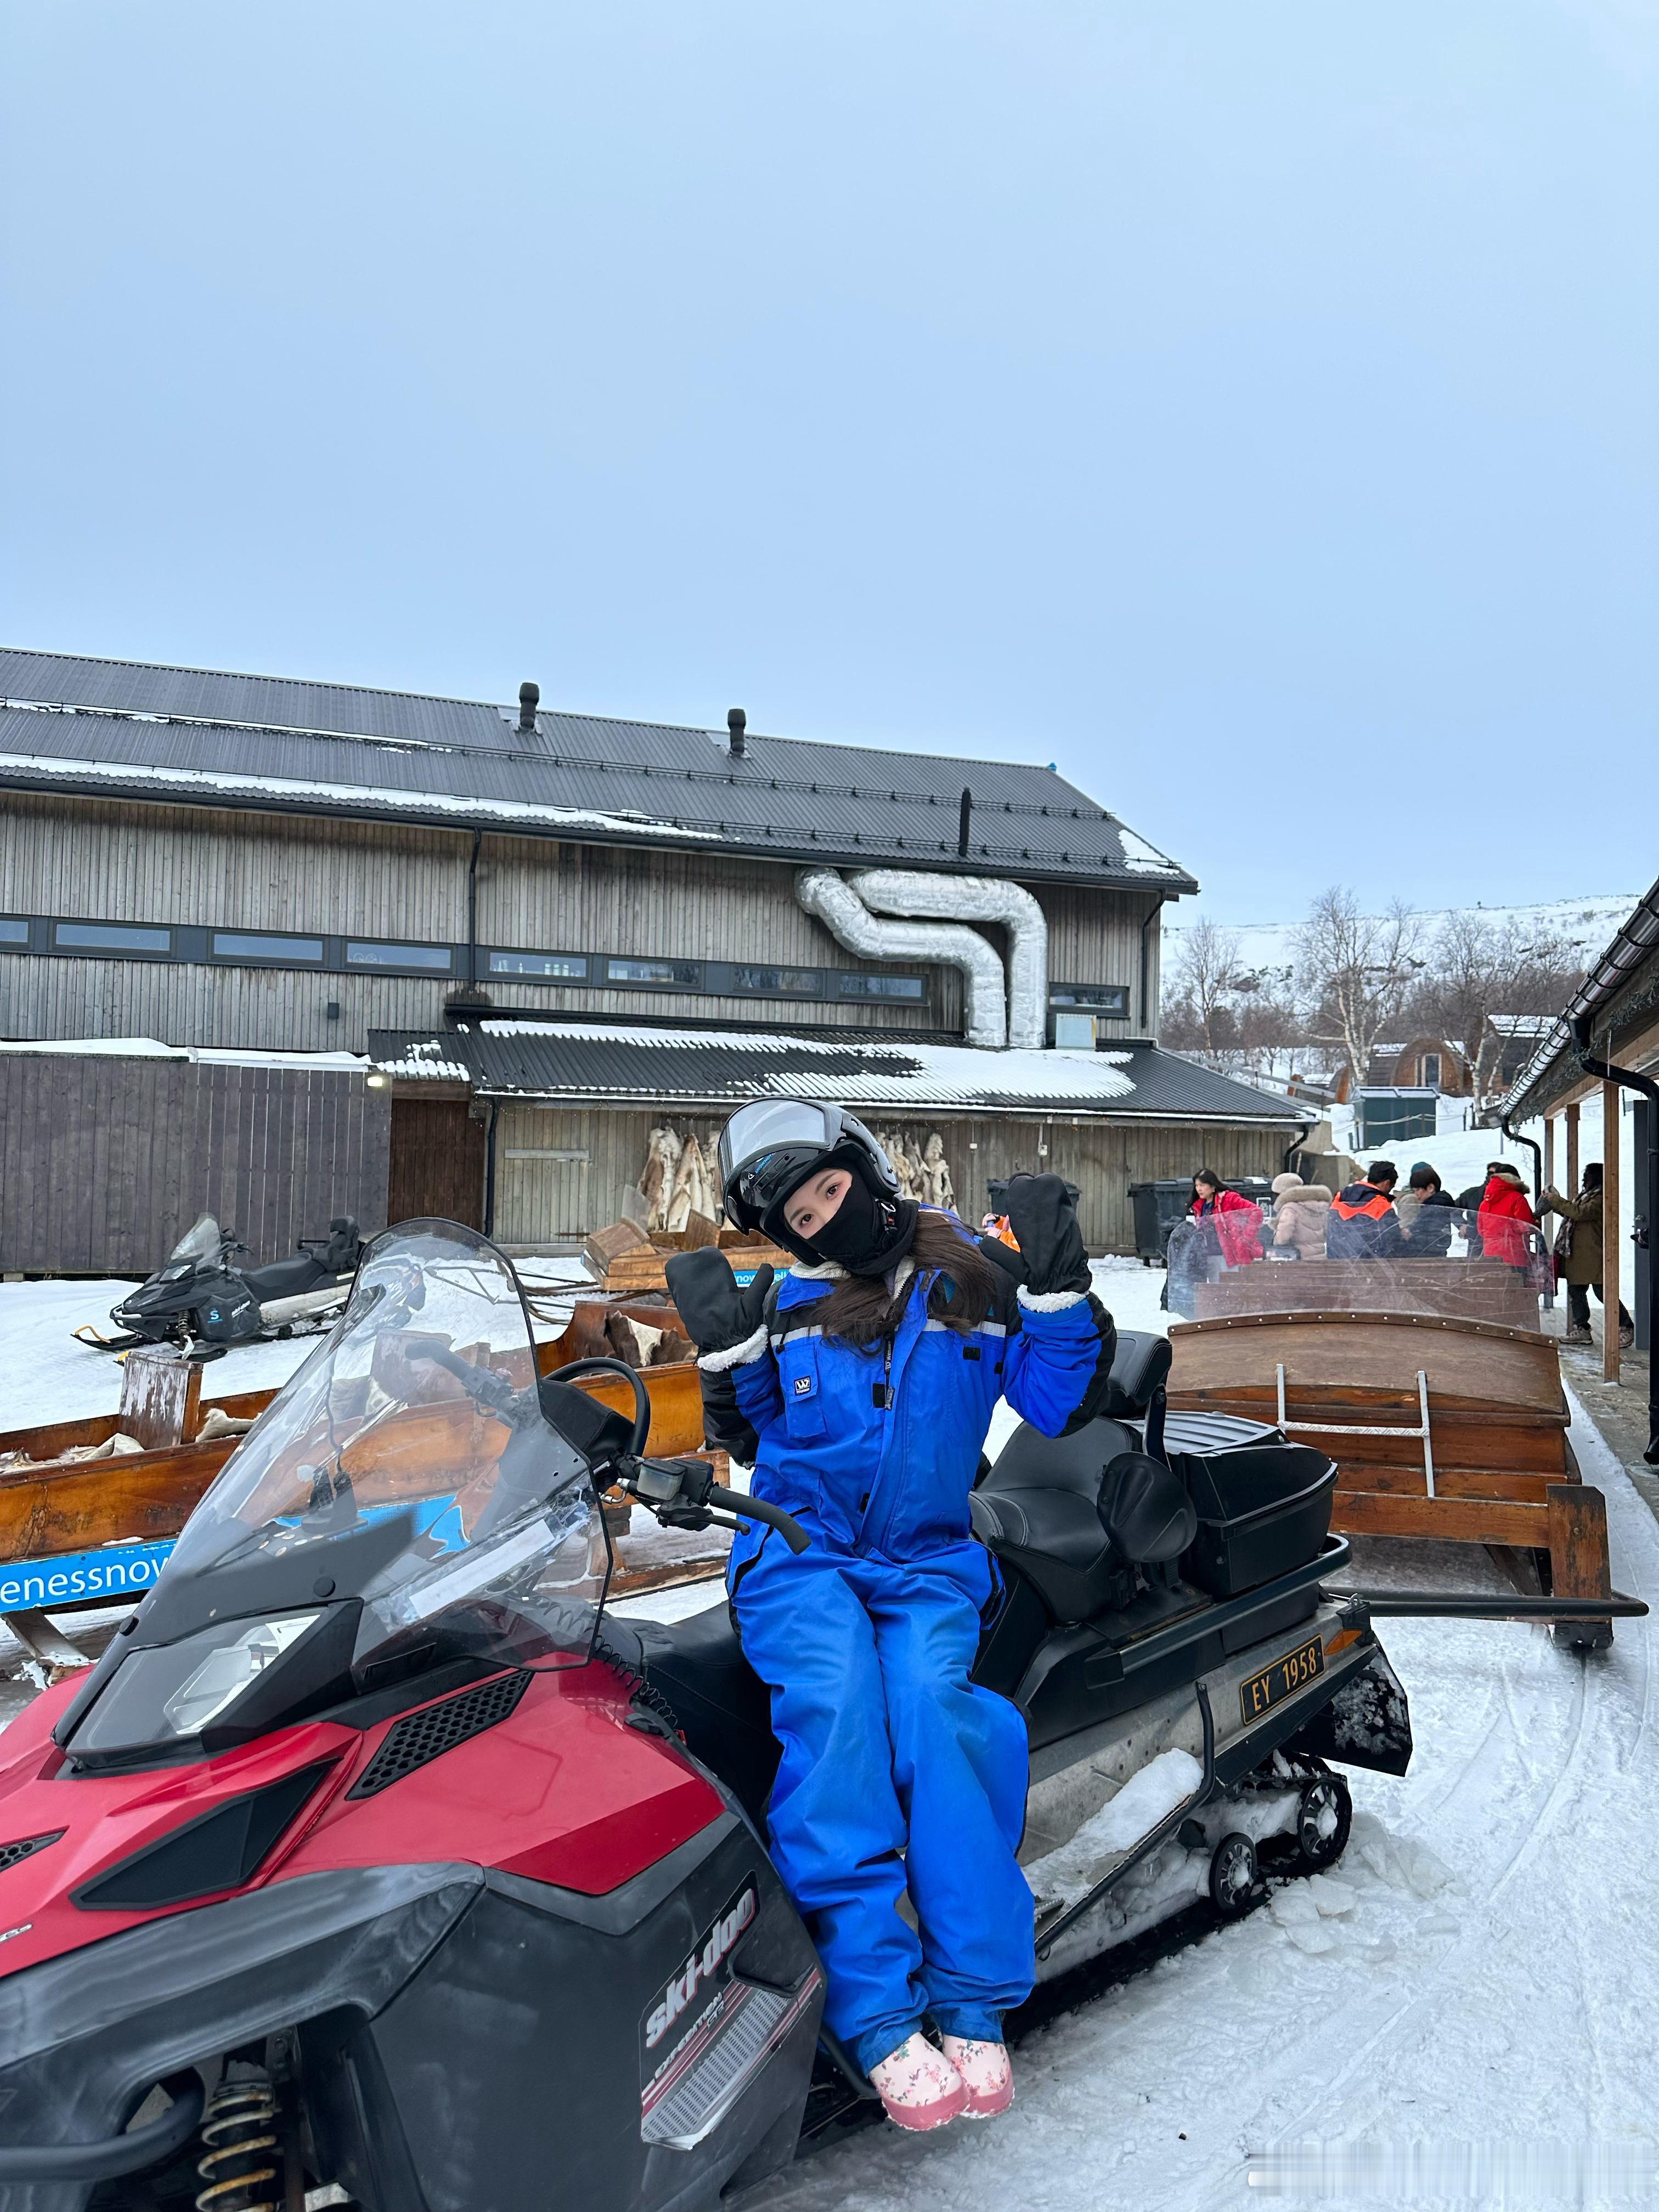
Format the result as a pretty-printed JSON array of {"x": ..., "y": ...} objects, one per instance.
[
  {"x": 1362, "y": 1605},
  {"x": 682, "y": 1492}
]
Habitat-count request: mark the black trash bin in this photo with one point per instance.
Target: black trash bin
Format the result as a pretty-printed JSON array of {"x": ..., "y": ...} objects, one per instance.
[{"x": 1158, "y": 1206}]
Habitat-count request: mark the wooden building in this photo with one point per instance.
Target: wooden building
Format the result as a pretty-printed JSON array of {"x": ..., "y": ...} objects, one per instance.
[
  {"x": 1604, "y": 1045},
  {"x": 248, "y": 865}
]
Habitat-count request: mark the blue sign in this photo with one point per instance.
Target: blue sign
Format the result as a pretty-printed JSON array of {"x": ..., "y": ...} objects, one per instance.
[{"x": 113, "y": 1573}]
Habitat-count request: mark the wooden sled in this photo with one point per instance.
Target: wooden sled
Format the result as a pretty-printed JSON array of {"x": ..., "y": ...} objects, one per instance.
[
  {"x": 1441, "y": 1427},
  {"x": 75, "y": 1510}
]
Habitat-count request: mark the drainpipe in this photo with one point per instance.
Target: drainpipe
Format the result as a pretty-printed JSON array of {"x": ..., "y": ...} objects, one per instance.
[
  {"x": 821, "y": 892},
  {"x": 468, "y": 998},
  {"x": 1580, "y": 1027},
  {"x": 489, "y": 1174},
  {"x": 1536, "y": 1150},
  {"x": 1146, "y": 969},
  {"x": 978, "y": 898}
]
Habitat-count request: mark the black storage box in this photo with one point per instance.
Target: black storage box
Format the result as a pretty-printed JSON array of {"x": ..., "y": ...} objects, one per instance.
[{"x": 1262, "y": 1511}]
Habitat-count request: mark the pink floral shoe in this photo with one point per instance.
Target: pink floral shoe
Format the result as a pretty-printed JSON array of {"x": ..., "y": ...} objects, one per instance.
[
  {"x": 918, "y": 2088},
  {"x": 985, "y": 2074}
]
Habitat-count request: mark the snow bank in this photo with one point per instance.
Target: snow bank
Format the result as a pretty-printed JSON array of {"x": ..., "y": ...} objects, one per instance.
[{"x": 1147, "y": 1797}]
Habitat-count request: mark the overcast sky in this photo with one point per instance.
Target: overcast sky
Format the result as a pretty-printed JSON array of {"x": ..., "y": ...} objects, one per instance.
[{"x": 1246, "y": 404}]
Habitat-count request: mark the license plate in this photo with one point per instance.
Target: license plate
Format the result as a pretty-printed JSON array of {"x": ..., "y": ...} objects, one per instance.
[{"x": 1282, "y": 1679}]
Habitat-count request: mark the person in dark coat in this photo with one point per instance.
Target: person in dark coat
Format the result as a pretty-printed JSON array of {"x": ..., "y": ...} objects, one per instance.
[
  {"x": 1429, "y": 1234},
  {"x": 1362, "y": 1224},
  {"x": 1581, "y": 1254}
]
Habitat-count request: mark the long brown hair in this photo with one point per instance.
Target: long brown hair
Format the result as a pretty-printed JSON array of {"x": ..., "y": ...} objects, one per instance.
[{"x": 859, "y": 1312}]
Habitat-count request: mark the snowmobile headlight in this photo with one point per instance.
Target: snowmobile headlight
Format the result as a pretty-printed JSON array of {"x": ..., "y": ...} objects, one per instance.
[{"x": 223, "y": 1676}]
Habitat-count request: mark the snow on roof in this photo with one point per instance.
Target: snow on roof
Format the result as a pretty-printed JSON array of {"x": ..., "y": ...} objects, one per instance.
[
  {"x": 265, "y": 788},
  {"x": 574, "y": 1059},
  {"x": 207, "y": 1055},
  {"x": 1145, "y": 860},
  {"x": 1522, "y": 1025}
]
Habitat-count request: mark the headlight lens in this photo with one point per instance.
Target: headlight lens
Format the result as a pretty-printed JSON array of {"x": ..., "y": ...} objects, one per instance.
[
  {"x": 224, "y": 1674},
  {"x": 172, "y": 1690}
]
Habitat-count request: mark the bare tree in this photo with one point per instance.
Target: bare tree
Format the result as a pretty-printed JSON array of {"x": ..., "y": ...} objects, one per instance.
[
  {"x": 1203, "y": 972},
  {"x": 1356, "y": 971},
  {"x": 1477, "y": 969}
]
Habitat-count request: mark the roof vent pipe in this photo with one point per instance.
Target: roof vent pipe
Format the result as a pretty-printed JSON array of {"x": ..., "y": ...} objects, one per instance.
[
  {"x": 821, "y": 891},
  {"x": 965, "y": 822},
  {"x": 737, "y": 722},
  {"x": 978, "y": 898},
  {"x": 529, "y": 699}
]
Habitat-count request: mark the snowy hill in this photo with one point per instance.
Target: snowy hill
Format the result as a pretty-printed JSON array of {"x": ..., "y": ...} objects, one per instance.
[{"x": 1266, "y": 949}]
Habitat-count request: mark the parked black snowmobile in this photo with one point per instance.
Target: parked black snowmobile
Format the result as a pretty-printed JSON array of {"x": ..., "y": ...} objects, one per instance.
[
  {"x": 201, "y": 1296},
  {"x": 370, "y": 1834}
]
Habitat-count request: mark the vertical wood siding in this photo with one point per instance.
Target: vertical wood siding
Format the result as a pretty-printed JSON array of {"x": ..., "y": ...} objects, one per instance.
[
  {"x": 106, "y": 1162},
  {"x": 110, "y": 861},
  {"x": 537, "y": 1204}
]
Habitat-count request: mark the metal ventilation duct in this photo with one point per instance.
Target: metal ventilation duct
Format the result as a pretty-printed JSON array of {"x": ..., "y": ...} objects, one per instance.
[
  {"x": 821, "y": 891},
  {"x": 978, "y": 898}
]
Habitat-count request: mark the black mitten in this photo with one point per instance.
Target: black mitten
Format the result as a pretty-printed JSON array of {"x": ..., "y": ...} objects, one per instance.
[
  {"x": 1042, "y": 1215},
  {"x": 716, "y": 1313}
]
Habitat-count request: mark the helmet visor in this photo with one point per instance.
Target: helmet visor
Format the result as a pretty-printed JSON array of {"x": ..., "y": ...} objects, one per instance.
[{"x": 767, "y": 1148}]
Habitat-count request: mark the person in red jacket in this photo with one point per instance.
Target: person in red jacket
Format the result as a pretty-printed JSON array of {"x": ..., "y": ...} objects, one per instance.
[
  {"x": 1235, "y": 1218},
  {"x": 1504, "y": 1216}
]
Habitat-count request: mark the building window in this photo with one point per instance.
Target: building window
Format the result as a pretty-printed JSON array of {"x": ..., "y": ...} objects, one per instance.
[
  {"x": 14, "y": 932},
  {"x": 1110, "y": 1000},
  {"x": 238, "y": 945},
  {"x": 878, "y": 986},
  {"x": 779, "y": 983},
  {"x": 551, "y": 967},
  {"x": 677, "y": 974},
  {"x": 433, "y": 957},
  {"x": 109, "y": 937},
  {"x": 1428, "y": 1070}
]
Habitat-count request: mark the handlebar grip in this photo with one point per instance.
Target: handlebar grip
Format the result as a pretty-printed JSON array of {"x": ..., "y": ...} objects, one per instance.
[{"x": 757, "y": 1508}]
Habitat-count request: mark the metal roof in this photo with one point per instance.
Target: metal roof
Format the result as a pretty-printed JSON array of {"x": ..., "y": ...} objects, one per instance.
[
  {"x": 1605, "y": 992},
  {"x": 124, "y": 729},
  {"x": 591, "y": 1061}
]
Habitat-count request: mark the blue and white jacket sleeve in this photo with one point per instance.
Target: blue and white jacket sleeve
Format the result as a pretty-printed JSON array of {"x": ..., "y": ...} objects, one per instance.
[
  {"x": 742, "y": 1398},
  {"x": 1058, "y": 1361}
]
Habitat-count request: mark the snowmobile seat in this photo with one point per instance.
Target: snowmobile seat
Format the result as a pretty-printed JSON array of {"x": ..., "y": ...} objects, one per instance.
[
  {"x": 1038, "y": 1509},
  {"x": 286, "y": 1279},
  {"x": 1140, "y": 1367}
]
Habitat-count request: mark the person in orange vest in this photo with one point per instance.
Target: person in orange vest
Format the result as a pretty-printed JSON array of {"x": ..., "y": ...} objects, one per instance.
[{"x": 1362, "y": 1223}]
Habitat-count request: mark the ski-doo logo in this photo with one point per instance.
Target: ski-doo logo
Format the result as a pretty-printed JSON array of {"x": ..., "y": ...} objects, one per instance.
[{"x": 701, "y": 1967}]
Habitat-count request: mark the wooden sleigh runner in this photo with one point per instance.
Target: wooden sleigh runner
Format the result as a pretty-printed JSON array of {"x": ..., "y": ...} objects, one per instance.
[
  {"x": 1441, "y": 1426},
  {"x": 92, "y": 1531}
]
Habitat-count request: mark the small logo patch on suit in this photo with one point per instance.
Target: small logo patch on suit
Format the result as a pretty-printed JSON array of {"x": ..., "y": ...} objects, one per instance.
[{"x": 803, "y": 1386}]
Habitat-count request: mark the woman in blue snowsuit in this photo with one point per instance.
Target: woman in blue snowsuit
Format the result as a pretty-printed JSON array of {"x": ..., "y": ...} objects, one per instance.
[{"x": 860, "y": 1390}]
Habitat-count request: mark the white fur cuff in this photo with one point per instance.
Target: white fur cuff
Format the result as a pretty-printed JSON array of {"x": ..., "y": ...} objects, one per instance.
[
  {"x": 735, "y": 1355},
  {"x": 1050, "y": 1301}
]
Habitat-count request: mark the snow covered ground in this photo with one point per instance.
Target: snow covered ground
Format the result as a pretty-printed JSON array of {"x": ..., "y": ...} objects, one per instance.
[
  {"x": 45, "y": 1374},
  {"x": 1482, "y": 1969}
]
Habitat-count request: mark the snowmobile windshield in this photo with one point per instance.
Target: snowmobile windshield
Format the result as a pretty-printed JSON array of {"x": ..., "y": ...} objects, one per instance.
[
  {"x": 1366, "y": 1248},
  {"x": 199, "y": 1246},
  {"x": 410, "y": 1464}
]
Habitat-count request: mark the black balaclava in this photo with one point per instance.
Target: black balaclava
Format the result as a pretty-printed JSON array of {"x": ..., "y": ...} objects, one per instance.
[{"x": 868, "y": 1234}]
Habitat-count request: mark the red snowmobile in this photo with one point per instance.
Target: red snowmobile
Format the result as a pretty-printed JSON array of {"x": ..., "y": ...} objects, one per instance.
[{"x": 369, "y": 1834}]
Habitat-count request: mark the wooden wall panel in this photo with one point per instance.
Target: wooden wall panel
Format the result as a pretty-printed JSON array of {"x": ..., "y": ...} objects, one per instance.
[
  {"x": 116, "y": 861},
  {"x": 1102, "y": 1157},
  {"x": 106, "y": 1161},
  {"x": 437, "y": 1161}
]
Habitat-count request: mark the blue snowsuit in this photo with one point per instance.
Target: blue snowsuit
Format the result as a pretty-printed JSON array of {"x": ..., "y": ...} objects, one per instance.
[{"x": 897, "y": 1772}]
